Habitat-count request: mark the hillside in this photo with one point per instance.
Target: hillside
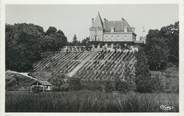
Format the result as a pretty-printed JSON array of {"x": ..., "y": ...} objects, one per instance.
[
  {"x": 88, "y": 65},
  {"x": 18, "y": 81}
]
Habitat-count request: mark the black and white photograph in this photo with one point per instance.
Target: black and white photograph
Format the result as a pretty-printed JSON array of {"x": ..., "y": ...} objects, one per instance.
[{"x": 101, "y": 58}]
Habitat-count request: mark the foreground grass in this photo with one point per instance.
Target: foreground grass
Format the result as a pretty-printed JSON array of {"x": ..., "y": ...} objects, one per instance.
[{"x": 88, "y": 101}]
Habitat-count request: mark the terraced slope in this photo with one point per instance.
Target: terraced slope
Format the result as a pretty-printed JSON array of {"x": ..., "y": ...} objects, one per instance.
[
  {"x": 62, "y": 62},
  {"x": 108, "y": 66},
  {"x": 89, "y": 65}
]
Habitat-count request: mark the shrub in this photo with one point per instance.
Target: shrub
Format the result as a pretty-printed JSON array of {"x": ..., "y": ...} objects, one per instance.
[
  {"x": 58, "y": 82},
  {"x": 94, "y": 85},
  {"x": 109, "y": 86},
  {"x": 150, "y": 85},
  {"x": 119, "y": 85},
  {"x": 156, "y": 84},
  {"x": 74, "y": 84},
  {"x": 122, "y": 86},
  {"x": 143, "y": 86},
  {"x": 143, "y": 76},
  {"x": 64, "y": 87}
]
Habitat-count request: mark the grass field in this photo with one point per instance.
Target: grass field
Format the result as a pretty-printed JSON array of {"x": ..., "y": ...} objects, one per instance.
[{"x": 89, "y": 101}]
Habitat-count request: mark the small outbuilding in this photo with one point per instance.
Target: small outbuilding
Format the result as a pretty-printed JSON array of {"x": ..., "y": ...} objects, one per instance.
[{"x": 42, "y": 86}]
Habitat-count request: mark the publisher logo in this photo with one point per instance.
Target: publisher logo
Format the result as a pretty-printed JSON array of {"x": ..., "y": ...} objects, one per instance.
[{"x": 166, "y": 107}]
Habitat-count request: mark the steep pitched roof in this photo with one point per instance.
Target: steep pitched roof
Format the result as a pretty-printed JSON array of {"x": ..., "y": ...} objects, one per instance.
[
  {"x": 41, "y": 75},
  {"x": 42, "y": 83},
  {"x": 117, "y": 25},
  {"x": 98, "y": 21}
]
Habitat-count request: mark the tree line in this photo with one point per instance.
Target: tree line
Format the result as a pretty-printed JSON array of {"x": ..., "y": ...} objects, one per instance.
[
  {"x": 26, "y": 42},
  {"x": 162, "y": 47}
]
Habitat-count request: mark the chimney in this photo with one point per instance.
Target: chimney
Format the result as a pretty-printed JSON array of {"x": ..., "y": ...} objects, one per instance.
[
  {"x": 92, "y": 22},
  {"x": 122, "y": 19},
  {"x": 105, "y": 19}
]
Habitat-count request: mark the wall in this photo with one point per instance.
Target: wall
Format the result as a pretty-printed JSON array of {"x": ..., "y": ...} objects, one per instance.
[{"x": 118, "y": 37}]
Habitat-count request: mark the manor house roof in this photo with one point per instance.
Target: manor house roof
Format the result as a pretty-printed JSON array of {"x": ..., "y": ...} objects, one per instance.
[{"x": 119, "y": 26}]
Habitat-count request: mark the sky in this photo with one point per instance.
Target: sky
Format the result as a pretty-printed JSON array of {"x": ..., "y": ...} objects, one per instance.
[{"x": 76, "y": 19}]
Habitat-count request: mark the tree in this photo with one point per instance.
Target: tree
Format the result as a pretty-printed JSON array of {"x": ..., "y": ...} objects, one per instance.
[
  {"x": 75, "y": 41},
  {"x": 53, "y": 40},
  {"x": 162, "y": 46},
  {"x": 157, "y": 53},
  {"x": 85, "y": 42},
  {"x": 22, "y": 46},
  {"x": 143, "y": 77},
  {"x": 58, "y": 82},
  {"x": 51, "y": 30},
  {"x": 26, "y": 42},
  {"x": 171, "y": 32}
]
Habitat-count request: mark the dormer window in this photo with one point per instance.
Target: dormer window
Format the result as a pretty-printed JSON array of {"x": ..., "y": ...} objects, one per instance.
[
  {"x": 125, "y": 29},
  {"x": 112, "y": 29}
]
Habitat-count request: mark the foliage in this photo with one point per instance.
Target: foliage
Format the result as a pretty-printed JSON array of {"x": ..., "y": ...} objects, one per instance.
[
  {"x": 157, "y": 53},
  {"x": 58, "y": 82},
  {"x": 144, "y": 81},
  {"x": 75, "y": 41},
  {"x": 162, "y": 46},
  {"x": 89, "y": 101},
  {"x": 53, "y": 40},
  {"x": 51, "y": 30},
  {"x": 26, "y": 42},
  {"x": 110, "y": 86},
  {"x": 171, "y": 33},
  {"x": 170, "y": 80},
  {"x": 85, "y": 42},
  {"x": 74, "y": 83},
  {"x": 143, "y": 77},
  {"x": 122, "y": 86},
  {"x": 156, "y": 84}
]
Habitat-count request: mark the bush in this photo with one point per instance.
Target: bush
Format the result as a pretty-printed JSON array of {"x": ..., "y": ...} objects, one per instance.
[
  {"x": 122, "y": 86},
  {"x": 170, "y": 85},
  {"x": 94, "y": 85},
  {"x": 74, "y": 84},
  {"x": 143, "y": 76},
  {"x": 109, "y": 86},
  {"x": 58, "y": 82},
  {"x": 119, "y": 85},
  {"x": 156, "y": 84},
  {"x": 144, "y": 85},
  {"x": 64, "y": 87}
]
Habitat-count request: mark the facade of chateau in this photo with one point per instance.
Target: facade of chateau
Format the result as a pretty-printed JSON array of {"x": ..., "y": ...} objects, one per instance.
[{"x": 108, "y": 32}]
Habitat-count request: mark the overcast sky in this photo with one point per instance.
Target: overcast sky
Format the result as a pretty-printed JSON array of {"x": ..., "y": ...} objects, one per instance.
[{"x": 76, "y": 19}]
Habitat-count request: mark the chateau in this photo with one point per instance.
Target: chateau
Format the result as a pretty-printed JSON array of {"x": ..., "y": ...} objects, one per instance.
[{"x": 111, "y": 34}]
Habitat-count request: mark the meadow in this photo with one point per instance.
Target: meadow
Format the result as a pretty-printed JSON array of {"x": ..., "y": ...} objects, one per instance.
[{"x": 90, "y": 101}]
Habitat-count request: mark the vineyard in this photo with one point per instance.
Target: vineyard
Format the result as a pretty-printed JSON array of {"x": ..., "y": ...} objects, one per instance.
[{"x": 89, "y": 65}]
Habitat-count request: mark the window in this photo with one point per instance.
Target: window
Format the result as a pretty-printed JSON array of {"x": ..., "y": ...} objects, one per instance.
[{"x": 112, "y": 29}]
